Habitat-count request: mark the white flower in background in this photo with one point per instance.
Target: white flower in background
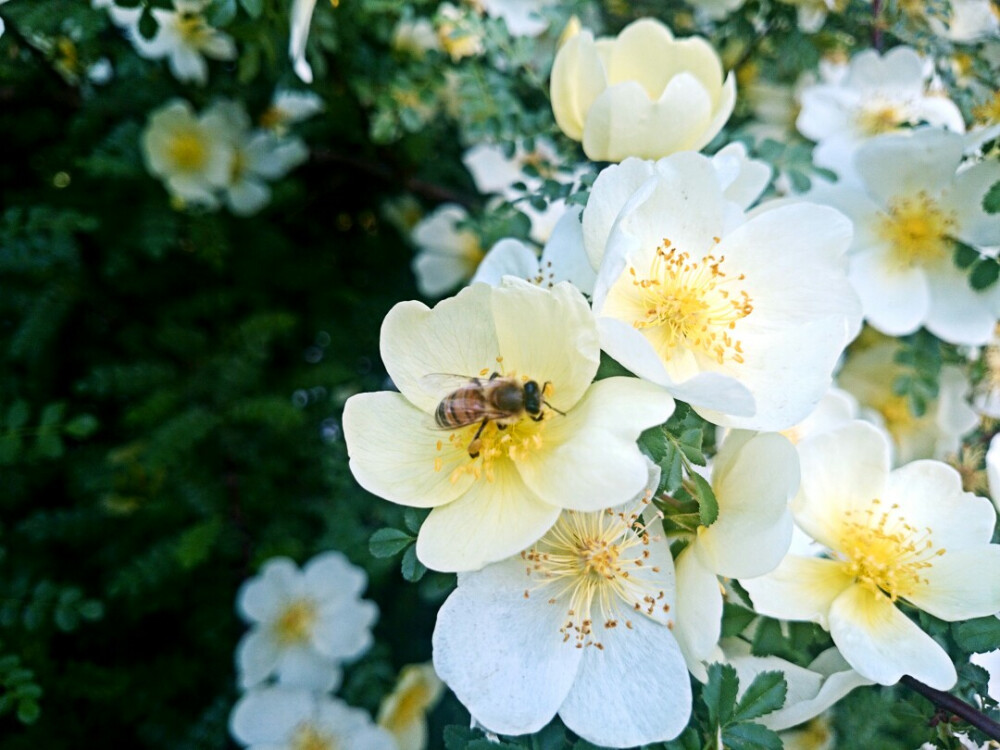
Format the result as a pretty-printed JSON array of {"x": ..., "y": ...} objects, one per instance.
[
  {"x": 811, "y": 690},
  {"x": 579, "y": 625},
  {"x": 811, "y": 14},
  {"x": 258, "y": 156},
  {"x": 494, "y": 172},
  {"x": 869, "y": 375},
  {"x": 986, "y": 396},
  {"x": 193, "y": 155},
  {"x": 498, "y": 479},
  {"x": 522, "y": 17},
  {"x": 815, "y": 734},
  {"x": 458, "y": 32},
  {"x": 415, "y": 37},
  {"x": 300, "y": 19},
  {"x": 878, "y": 95},
  {"x": 909, "y": 534},
  {"x": 447, "y": 255},
  {"x": 127, "y": 18},
  {"x": 642, "y": 93},
  {"x": 716, "y": 10},
  {"x": 289, "y": 107},
  {"x": 990, "y": 661},
  {"x": 914, "y": 200},
  {"x": 967, "y": 21},
  {"x": 993, "y": 471},
  {"x": 835, "y": 409},
  {"x": 563, "y": 258},
  {"x": 753, "y": 477},
  {"x": 304, "y": 624},
  {"x": 403, "y": 713},
  {"x": 184, "y": 37},
  {"x": 742, "y": 317},
  {"x": 276, "y": 718}
]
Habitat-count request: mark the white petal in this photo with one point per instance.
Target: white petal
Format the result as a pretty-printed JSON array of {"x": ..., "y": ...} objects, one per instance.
[
  {"x": 639, "y": 676},
  {"x": 502, "y": 654},
  {"x": 895, "y": 300},
  {"x": 611, "y": 191},
  {"x": 301, "y": 18},
  {"x": 883, "y": 644},
  {"x": 965, "y": 199},
  {"x": 958, "y": 313},
  {"x": 566, "y": 253},
  {"x": 330, "y": 576},
  {"x": 261, "y": 598},
  {"x": 343, "y": 629},
  {"x": 508, "y": 257},
  {"x": 304, "y": 667},
  {"x": 894, "y": 165},
  {"x": 269, "y": 715},
  {"x": 699, "y": 611},
  {"x": 256, "y": 657},
  {"x": 961, "y": 585},
  {"x": 589, "y": 460},
  {"x": 801, "y": 588}
]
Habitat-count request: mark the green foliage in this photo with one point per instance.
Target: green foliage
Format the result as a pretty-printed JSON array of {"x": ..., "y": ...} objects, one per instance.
[
  {"x": 991, "y": 201},
  {"x": 730, "y": 718}
]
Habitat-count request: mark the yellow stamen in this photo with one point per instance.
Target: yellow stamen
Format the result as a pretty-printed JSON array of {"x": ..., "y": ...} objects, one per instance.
[
  {"x": 309, "y": 737},
  {"x": 294, "y": 625},
  {"x": 917, "y": 230},
  {"x": 187, "y": 151}
]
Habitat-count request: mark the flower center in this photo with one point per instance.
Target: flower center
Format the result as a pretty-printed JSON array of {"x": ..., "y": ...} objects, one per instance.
[
  {"x": 238, "y": 169},
  {"x": 692, "y": 303},
  {"x": 308, "y": 737},
  {"x": 900, "y": 421},
  {"x": 885, "y": 553},
  {"x": 598, "y": 564},
  {"x": 880, "y": 117},
  {"x": 916, "y": 230},
  {"x": 295, "y": 623},
  {"x": 192, "y": 29},
  {"x": 187, "y": 151}
]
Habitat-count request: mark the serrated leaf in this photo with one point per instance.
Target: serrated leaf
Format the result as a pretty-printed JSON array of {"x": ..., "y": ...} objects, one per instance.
[
  {"x": 413, "y": 518},
  {"x": 413, "y": 570},
  {"x": 984, "y": 274},
  {"x": 719, "y": 693},
  {"x": 708, "y": 505},
  {"x": 977, "y": 636},
  {"x": 735, "y": 619},
  {"x": 388, "y": 542},
  {"x": 965, "y": 255},
  {"x": 750, "y": 737},
  {"x": 690, "y": 442},
  {"x": 991, "y": 201},
  {"x": 765, "y": 694},
  {"x": 610, "y": 368},
  {"x": 671, "y": 470},
  {"x": 552, "y": 737}
]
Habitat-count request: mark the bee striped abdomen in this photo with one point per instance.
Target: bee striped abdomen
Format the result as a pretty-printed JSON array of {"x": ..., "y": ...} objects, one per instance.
[{"x": 463, "y": 407}]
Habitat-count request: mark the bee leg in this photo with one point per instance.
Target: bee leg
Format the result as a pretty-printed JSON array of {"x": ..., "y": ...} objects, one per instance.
[
  {"x": 476, "y": 442},
  {"x": 539, "y": 417}
]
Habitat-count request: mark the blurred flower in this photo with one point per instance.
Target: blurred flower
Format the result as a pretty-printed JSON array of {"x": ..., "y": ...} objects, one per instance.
[
  {"x": 811, "y": 14},
  {"x": 742, "y": 317},
  {"x": 754, "y": 476},
  {"x": 579, "y": 625},
  {"x": 642, "y": 93},
  {"x": 128, "y": 18},
  {"x": 913, "y": 202},
  {"x": 993, "y": 473},
  {"x": 869, "y": 375},
  {"x": 875, "y": 95},
  {"x": 404, "y": 711},
  {"x": 521, "y": 17},
  {"x": 457, "y": 32},
  {"x": 414, "y": 37},
  {"x": 289, "y": 107},
  {"x": 447, "y": 254},
  {"x": 716, "y": 9},
  {"x": 967, "y": 20},
  {"x": 185, "y": 38},
  {"x": 193, "y": 155},
  {"x": 563, "y": 258},
  {"x": 277, "y": 718},
  {"x": 304, "y": 624},
  {"x": 498, "y": 479},
  {"x": 909, "y": 534},
  {"x": 300, "y": 19}
]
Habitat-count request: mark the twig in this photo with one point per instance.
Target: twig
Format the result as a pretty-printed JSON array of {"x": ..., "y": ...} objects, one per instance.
[
  {"x": 877, "y": 24},
  {"x": 953, "y": 705}
]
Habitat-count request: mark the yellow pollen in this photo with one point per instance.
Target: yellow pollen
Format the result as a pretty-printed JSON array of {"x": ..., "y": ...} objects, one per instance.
[
  {"x": 880, "y": 117},
  {"x": 295, "y": 623},
  {"x": 592, "y": 563},
  {"x": 514, "y": 442},
  {"x": 308, "y": 737},
  {"x": 899, "y": 420},
  {"x": 693, "y": 304},
  {"x": 192, "y": 28},
  {"x": 187, "y": 151},
  {"x": 884, "y": 552},
  {"x": 988, "y": 112},
  {"x": 917, "y": 230}
]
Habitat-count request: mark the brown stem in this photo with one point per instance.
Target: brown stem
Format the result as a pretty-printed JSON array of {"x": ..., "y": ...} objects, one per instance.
[
  {"x": 877, "y": 24},
  {"x": 953, "y": 705}
]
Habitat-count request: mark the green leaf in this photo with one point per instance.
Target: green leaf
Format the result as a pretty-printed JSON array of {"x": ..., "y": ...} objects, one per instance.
[
  {"x": 413, "y": 569},
  {"x": 17, "y": 415},
  {"x": 253, "y": 7},
  {"x": 735, "y": 619},
  {"x": 765, "y": 694},
  {"x": 671, "y": 470},
  {"x": 719, "y": 694},
  {"x": 965, "y": 255},
  {"x": 750, "y": 737},
  {"x": 984, "y": 274},
  {"x": 552, "y": 737},
  {"x": 610, "y": 368},
  {"x": 708, "y": 506},
  {"x": 147, "y": 24},
  {"x": 977, "y": 636},
  {"x": 221, "y": 13},
  {"x": 81, "y": 426},
  {"x": 28, "y": 711},
  {"x": 388, "y": 542},
  {"x": 195, "y": 544},
  {"x": 991, "y": 201},
  {"x": 413, "y": 518},
  {"x": 689, "y": 442}
]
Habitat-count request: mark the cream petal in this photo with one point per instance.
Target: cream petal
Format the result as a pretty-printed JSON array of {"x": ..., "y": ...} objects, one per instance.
[
  {"x": 589, "y": 460},
  {"x": 393, "y": 447},
  {"x": 456, "y": 337},
  {"x": 578, "y": 78},
  {"x": 895, "y": 301},
  {"x": 842, "y": 470},
  {"x": 645, "y": 51},
  {"x": 257, "y": 656},
  {"x": 959, "y": 314},
  {"x": 961, "y": 585},
  {"x": 801, "y": 588},
  {"x": 269, "y": 715},
  {"x": 611, "y": 191},
  {"x": 883, "y": 644},
  {"x": 343, "y": 629},
  {"x": 330, "y": 576},
  {"x": 491, "y": 521},
  {"x": 743, "y": 179},
  {"x": 549, "y": 335},
  {"x": 303, "y": 667},
  {"x": 964, "y": 198},
  {"x": 720, "y": 115},
  {"x": 754, "y": 527},
  {"x": 503, "y": 654},
  {"x": 928, "y": 494},
  {"x": 894, "y": 165},
  {"x": 699, "y": 611},
  {"x": 642, "y": 664}
]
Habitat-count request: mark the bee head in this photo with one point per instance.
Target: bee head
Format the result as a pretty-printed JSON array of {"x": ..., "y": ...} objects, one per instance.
[{"x": 532, "y": 398}]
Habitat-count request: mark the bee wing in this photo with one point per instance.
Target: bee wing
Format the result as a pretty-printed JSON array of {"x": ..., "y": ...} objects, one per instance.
[{"x": 442, "y": 384}]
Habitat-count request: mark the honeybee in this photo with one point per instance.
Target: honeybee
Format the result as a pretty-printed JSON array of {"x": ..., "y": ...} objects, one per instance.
[{"x": 498, "y": 399}]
